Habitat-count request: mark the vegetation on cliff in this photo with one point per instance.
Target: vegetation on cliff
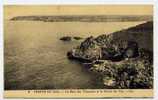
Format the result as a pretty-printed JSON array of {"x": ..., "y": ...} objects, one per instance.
[{"x": 123, "y": 59}]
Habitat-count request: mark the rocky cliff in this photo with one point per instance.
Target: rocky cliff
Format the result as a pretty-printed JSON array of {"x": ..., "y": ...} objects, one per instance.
[{"x": 123, "y": 59}]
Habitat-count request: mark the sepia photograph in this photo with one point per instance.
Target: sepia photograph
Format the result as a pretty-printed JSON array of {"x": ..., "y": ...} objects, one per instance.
[{"x": 51, "y": 47}]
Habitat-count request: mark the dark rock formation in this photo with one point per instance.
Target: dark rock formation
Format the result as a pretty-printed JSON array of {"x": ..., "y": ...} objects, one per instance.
[
  {"x": 114, "y": 46},
  {"x": 131, "y": 73},
  {"x": 131, "y": 50},
  {"x": 77, "y": 38},
  {"x": 121, "y": 58},
  {"x": 88, "y": 51},
  {"x": 69, "y": 38},
  {"x": 66, "y": 38}
]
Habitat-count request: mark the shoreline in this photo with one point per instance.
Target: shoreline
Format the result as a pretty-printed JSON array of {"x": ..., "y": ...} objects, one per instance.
[
  {"x": 85, "y": 18},
  {"x": 105, "y": 52}
]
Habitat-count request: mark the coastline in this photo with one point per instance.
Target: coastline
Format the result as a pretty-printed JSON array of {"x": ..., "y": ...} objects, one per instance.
[{"x": 108, "y": 55}]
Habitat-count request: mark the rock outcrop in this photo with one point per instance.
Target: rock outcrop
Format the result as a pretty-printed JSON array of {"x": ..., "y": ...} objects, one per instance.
[
  {"x": 123, "y": 59},
  {"x": 129, "y": 73},
  {"x": 69, "y": 38},
  {"x": 77, "y": 38},
  {"x": 66, "y": 38}
]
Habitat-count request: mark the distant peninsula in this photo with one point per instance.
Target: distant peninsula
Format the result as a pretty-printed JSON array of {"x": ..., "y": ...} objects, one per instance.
[{"x": 84, "y": 18}]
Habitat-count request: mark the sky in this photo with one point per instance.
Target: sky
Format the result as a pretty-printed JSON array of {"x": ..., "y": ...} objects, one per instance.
[{"x": 26, "y": 10}]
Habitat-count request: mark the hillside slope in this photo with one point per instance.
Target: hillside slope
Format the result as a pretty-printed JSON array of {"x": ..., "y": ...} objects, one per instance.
[
  {"x": 122, "y": 59},
  {"x": 142, "y": 34}
]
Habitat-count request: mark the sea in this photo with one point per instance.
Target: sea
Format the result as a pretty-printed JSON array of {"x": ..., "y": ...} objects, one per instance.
[{"x": 36, "y": 58}]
